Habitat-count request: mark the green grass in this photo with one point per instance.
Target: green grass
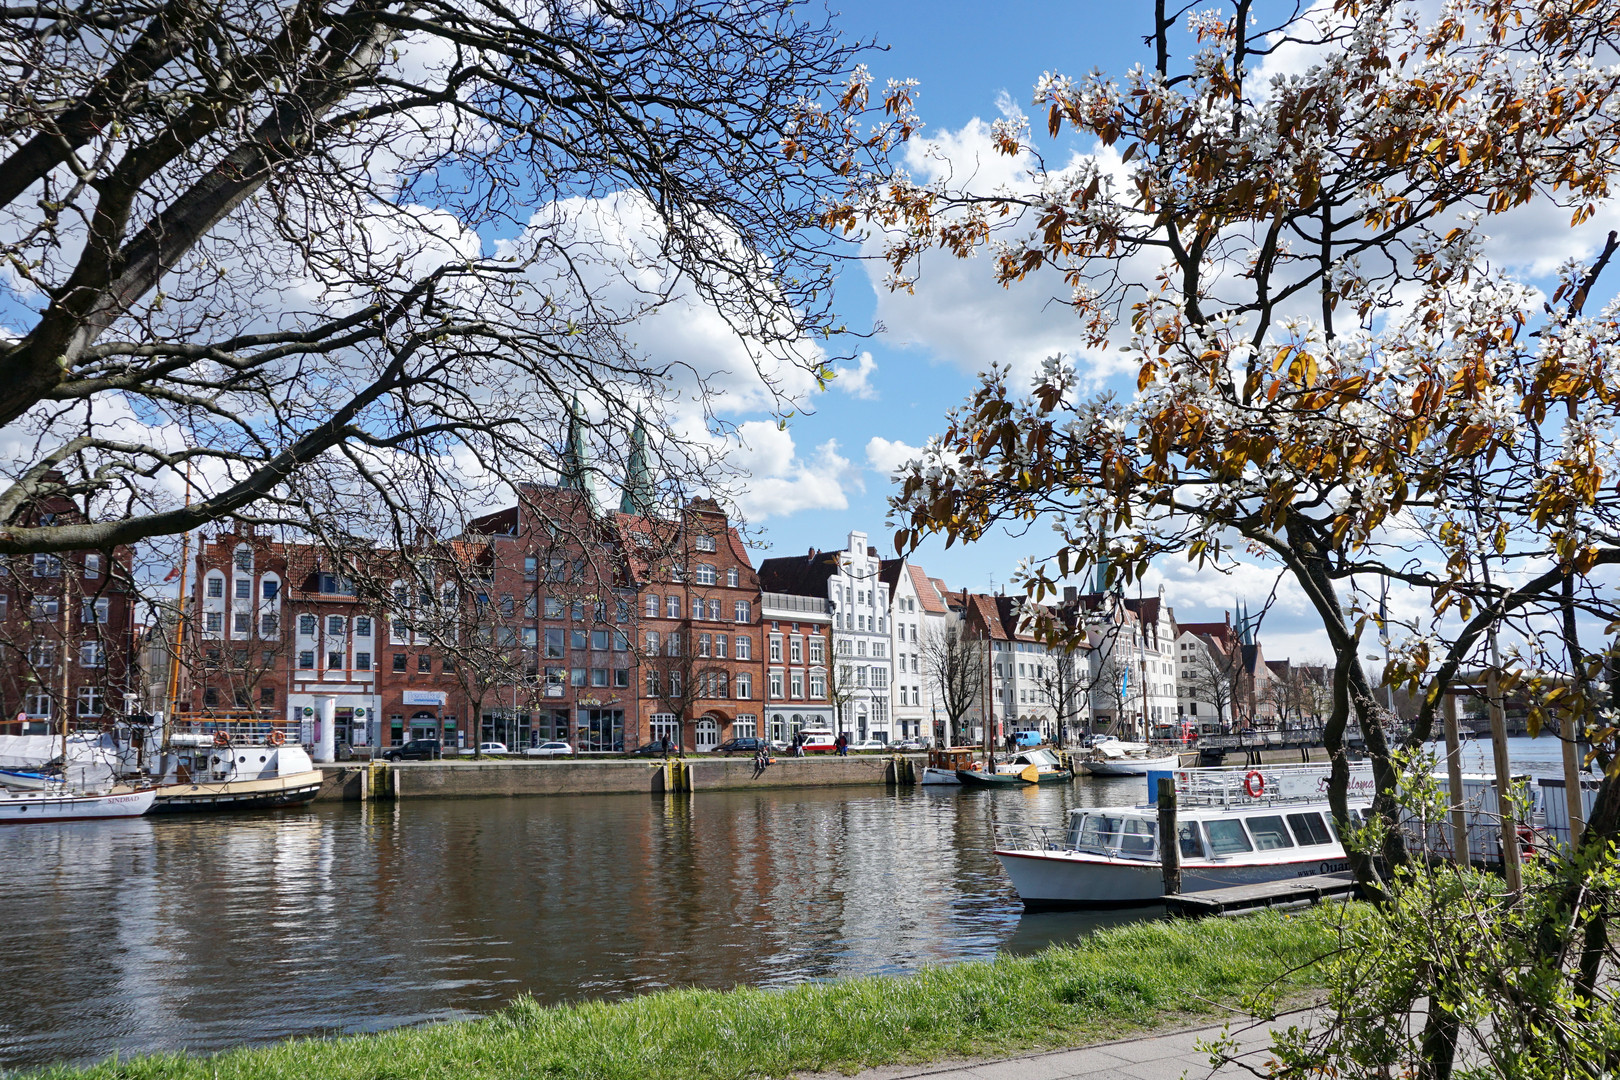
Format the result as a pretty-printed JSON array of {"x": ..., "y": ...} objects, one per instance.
[{"x": 1119, "y": 981}]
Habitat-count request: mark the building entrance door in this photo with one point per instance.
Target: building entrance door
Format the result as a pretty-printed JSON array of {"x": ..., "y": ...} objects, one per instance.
[{"x": 708, "y": 735}]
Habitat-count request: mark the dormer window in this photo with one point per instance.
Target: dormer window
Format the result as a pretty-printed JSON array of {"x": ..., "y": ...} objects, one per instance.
[{"x": 703, "y": 543}]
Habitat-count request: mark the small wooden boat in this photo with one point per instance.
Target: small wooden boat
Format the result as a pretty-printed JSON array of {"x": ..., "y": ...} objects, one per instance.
[{"x": 1020, "y": 770}]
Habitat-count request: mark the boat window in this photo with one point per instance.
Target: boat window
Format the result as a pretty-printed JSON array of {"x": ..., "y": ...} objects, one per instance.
[
  {"x": 1191, "y": 846},
  {"x": 1226, "y": 837},
  {"x": 1309, "y": 829},
  {"x": 1269, "y": 833},
  {"x": 1098, "y": 832},
  {"x": 1136, "y": 840}
]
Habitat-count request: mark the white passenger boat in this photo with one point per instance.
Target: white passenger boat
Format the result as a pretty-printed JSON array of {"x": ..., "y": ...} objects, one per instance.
[
  {"x": 222, "y": 772},
  {"x": 1237, "y": 826},
  {"x": 1117, "y": 758},
  {"x": 19, "y": 807}
]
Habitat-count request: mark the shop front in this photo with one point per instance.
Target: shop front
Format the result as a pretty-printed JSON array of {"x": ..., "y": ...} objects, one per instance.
[{"x": 598, "y": 729}]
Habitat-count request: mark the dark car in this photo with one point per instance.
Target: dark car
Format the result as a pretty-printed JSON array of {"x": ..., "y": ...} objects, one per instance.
[
  {"x": 745, "y": 745},
  {"x": 656, "y": 748},
  {"x": 418, "y": 750}
]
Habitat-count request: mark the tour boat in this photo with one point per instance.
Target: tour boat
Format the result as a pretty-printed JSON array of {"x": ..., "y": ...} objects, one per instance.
[
  {"x": 19, "y": 807},
  {"x": 1019, "y": 770},
  {"x": 1236, "y": 826},
  {"x": 1117, "y": 758},
  {"x": 215, "y": 772}
]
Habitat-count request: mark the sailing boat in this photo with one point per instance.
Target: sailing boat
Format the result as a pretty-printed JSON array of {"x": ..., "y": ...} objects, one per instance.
[{"x": 83, "y": 798}]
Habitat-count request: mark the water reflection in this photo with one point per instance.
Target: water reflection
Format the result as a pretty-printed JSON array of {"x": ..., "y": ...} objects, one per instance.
[{"x": 206, "y": 932}]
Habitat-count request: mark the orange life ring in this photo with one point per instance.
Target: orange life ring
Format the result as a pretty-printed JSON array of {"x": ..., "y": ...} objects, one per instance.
[
  {"x": 1254, "y": 784},
  {"x": 276, "y": 738},
  {"x": 222, "y": 738}
]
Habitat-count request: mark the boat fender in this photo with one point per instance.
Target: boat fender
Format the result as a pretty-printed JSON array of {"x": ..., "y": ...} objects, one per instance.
[
  {"x": 276, "y": 738},
  {"x": 222, "y": 738},
  {"x": 1254, "y": 784}
]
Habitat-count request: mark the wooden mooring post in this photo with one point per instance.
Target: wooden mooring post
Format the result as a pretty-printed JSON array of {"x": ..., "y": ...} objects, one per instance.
[
  {"x": 1169, "y": 839},
  {"x": 1454, "y": 784}
]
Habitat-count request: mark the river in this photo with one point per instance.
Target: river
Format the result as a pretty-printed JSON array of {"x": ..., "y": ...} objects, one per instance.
[{"x": 207, "y": 932}]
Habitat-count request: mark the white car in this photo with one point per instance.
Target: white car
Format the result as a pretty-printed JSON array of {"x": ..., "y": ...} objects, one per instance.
[
  {"x": 554, "y": 748},
  {"x": 492, "y": 748},
  {"x": 868, "y": 744}
]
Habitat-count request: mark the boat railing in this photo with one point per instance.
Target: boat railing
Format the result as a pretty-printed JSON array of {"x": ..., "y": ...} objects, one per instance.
[
  {"x": 1027, "y": 836},
  {"x": 1263, "y": 785}
]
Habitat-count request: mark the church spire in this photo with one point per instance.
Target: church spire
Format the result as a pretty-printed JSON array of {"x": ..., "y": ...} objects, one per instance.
[
  {"x": 638, "y": 494},
  {"x": 576, "y": 462}
]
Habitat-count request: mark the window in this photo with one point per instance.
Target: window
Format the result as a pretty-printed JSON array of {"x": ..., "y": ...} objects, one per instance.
[
  {"x": 306, "y": 625},
  {"x": 553, "y": 608},
  {"x": 672, "y": 607},
  {"x": 745, "y": 647},
  {"x": 243, "y": 557},
  {"x": 42, "y": 653},
  {"x": 47, "y": 566},
  {"x": 621, "y": 610},
  {"x": 732, "y": 577},
  {"x": 334, "y": 626},
  {"x": 599, "y": 640},
  {"x": 244, "y": 589},
  {"x": 703, "y": 645},
  {"x": 270, "y": 588},
  {"x": 599, "y": 676},
  {"x": 672, "y": 645},
  {"x": 776, "y": 649},
  {"x": 703, "y": 543},
  {"x": 92, "y": 566},
  {"x": 531, "y": 568},
  {"x": 576, "y": 676},
  {"x": 746, "y": 726},
  {"x": 362, "y": 661},
  {"x": 424, "y": 663},
  {"x": 3, "y": 603},
  {"x": 89, "y": 701},
  {"x": 796, "y": 685},
  {"x": 651, "y": 605},
  {"x": 860, "y": 675},
  {"x": 818, "y": 685},
  {"x": 362, "y": 626},
  {"x": 306, "y": 660},
  {"x": 336, "y": 583},
  {"x": 714, "y": 611},
  {"x": 214, "y": 621},
  {"x": 745, "y": 685},
  {"x": 95, "y": 611},
  {"x": 742, "y": 611},
  {"x": 1308, "y": 829},
  {"x": 39, "y": 703},
  {"x": 335, "y": 660},
  {"x": 775, "y": 683},
  {"x": 815, "y": 651},
  {"x": 1269, "y": 833},
  {"x": 621, "y": 641},
  {"x": 652, "y": 684},
  {"x": 269, "y": 625},
  {"x": 398, "y": 632},
  {"x": 654, "y": 640},
  {"x": 579, "y": 638},
  {"x": 697, "y": 607},
  {"x": 721, "y": 643},
  {"x": 722, "y": 687},
  {"x": 531, "y": 639},
  {"x": 555, "y": 643},
  {"x": 400, "y": 661},
  {"x": 508, "y": 605},
  {"x": 674, "y": 684},
  {"x": 210, "y": 696},
  {"x": 239, "y": 623},
  {"x": 796, "y": 650},
  {"x": 1226, "y": 837},
  {"x": 860, "y": 647},
  {"x": 621, "y": 677}
]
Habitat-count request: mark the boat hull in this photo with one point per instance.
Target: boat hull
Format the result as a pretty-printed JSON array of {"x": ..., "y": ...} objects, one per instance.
[
  {"x": 1132, "y": 766},
  {"x": 971, "y": 778},
  {"x": 26, "y": 807},
  {"x": 266, "y": 794},
  {"x": 940, "y": 776},
  {"x": 1048, "y": 881}
]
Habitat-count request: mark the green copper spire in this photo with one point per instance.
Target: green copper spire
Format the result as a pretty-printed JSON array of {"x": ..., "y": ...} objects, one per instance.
[
  {"x": 638, "y": 494},
  {"x": 576, "y": 462}
]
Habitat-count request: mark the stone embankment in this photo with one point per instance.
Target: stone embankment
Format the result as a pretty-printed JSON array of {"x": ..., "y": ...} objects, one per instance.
[{"x": 469, "y": 779}]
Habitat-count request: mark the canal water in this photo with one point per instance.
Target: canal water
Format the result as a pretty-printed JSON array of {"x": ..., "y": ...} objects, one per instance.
[{"x": 207, "y": 932}]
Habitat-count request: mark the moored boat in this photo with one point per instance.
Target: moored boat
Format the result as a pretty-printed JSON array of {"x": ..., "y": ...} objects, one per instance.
[
  {"x": 18, "y": 807},
  {"x": 1117, "y": 758},
  {"x": 202, "y": 773},
  {"x": 1019, "y": 770},
  {"x": 1235, "y": 827},
  {"x": 943, "y": 764}
]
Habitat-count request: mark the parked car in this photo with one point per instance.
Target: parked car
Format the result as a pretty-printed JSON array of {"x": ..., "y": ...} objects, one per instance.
[
  {"x": 418, "y": 750},
  {"x": 743, "y": 745},
  {"x": 551, "y": 748},
  {"x": 781, "y": 746},
  {"x": 867, "y": 744},
  {"x": 655, "y": 748},
  {"x": 492, "y": 748},
  {"x": 1098, "y": 739},
  {"x": 911, "y": 744}
]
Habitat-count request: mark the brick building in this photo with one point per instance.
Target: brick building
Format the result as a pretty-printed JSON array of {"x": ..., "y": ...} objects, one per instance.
[{"x": 66, "y": 632}]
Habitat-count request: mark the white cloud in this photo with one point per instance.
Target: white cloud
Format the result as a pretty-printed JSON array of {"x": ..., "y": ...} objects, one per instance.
[
  {"x": 780, "y": 481},
  {"x": 884, "y": 456},
  {"x": 857, "y": 381}
]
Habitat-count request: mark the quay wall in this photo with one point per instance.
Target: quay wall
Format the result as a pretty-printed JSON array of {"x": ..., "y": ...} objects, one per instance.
[{"x": 478, "y": 779}]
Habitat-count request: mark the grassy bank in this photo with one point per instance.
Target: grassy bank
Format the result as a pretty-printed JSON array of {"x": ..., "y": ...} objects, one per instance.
[{"x": 1120, "y": 981}]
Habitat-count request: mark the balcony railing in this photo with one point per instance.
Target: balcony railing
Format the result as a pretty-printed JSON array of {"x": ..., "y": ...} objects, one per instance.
[{"x": 773, "y": 601}]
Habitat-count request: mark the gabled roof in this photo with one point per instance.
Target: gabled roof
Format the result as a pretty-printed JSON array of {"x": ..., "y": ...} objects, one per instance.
[
  {"x": 928, "y": 591},
  {"x": 985, "y": 610},
  {"x": 889, "y": 574},
  {"x": 1224, "y": 635}
]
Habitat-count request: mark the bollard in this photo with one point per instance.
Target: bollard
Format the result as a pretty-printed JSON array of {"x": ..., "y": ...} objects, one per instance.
[{"x": 1169, "y": 840}]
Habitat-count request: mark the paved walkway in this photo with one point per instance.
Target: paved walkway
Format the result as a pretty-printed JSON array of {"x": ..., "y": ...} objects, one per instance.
[{"x": 1170, "y": 1056}]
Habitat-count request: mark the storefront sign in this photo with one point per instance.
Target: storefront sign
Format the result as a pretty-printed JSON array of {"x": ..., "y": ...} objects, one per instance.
[{"x": 423, "y": 697}]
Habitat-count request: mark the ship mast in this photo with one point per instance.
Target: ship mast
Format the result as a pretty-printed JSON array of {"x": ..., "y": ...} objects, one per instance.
[{"x": 172, "y": 699}]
